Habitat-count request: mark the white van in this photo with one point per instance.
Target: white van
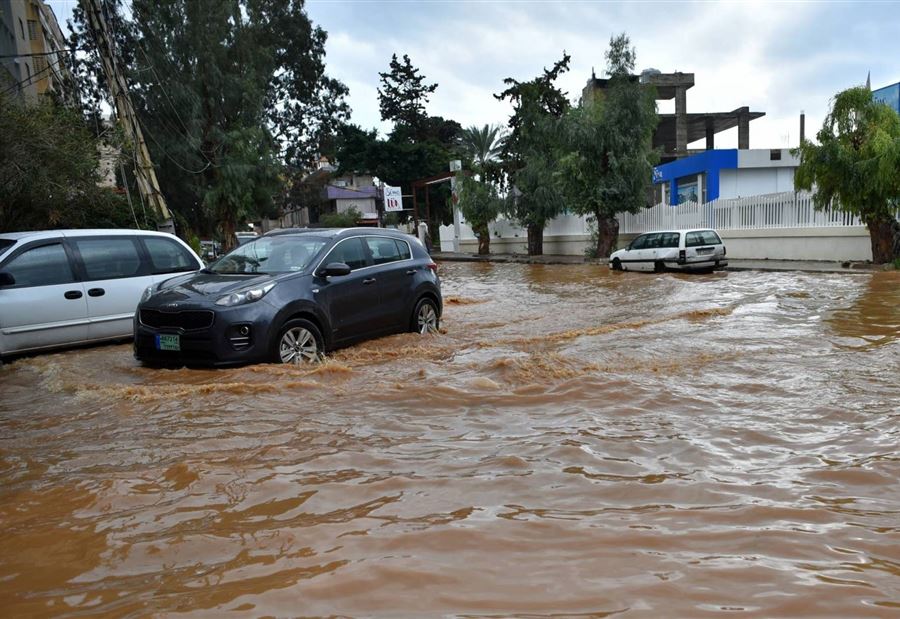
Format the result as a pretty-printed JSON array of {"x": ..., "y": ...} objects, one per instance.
[
  {"x": 65, "y": 287},
  {"x": 677, "y": 250}
]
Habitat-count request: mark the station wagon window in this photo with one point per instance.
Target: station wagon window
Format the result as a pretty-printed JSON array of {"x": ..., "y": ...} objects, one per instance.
[
  {"x": 383, "y": 250},
  {"x": 640, "y": 242},
  {"x": 46, "y": 265},
  {"x": 701, "y": 237},
  {"x": 167, "y": 256},
  {"x": 668, "y": 239},
  {"x": 350, "y": 252}
]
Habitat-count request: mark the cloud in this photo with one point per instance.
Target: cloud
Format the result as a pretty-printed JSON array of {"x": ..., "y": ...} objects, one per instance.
[{"x": 778, "y": 58}]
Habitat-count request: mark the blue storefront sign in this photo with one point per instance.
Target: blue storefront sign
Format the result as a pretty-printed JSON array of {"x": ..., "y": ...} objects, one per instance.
[{"x": 707, "y": 163}]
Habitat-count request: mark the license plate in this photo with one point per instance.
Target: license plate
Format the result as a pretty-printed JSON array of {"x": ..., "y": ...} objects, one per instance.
[
  {"x": 168, "y": 342},
  {"x": 705, "y": 250}
]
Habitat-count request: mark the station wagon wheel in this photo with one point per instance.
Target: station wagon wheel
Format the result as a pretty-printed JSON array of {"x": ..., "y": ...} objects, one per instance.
[
  {"x": 299, "y": 342},
  {"x": 616, "y": 264},
  {"x": 425, "y": 317}
]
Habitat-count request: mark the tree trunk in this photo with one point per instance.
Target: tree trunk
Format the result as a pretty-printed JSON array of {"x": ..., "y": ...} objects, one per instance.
[
  {"x": 484, "y": 240},
  {"x": 229, "y": 241},
  {"x": 884, "y": 234},
  {"x": 607, "y": 235},
  {"x": 535, "y": 240}
]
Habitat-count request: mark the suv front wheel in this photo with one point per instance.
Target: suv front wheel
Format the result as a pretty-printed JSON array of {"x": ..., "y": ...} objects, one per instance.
[
  {"x": 425, "y": 317},
  {"x": 299, "y": 342}
]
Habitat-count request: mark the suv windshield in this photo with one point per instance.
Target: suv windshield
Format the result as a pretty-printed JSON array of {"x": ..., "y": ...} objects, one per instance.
[
  {"x": 271, "y": 255},
  {"x": 5, "y": 244}
]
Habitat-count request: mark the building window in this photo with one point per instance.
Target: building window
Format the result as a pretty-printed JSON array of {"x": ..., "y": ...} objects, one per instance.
[
  {"x": 775, "y": 154},
  {"x": 659, "y": 193},
  {"x": 32, "y": 30},
  {"x": 688, "y": 189},
  {"x": 40, "y": 64}
]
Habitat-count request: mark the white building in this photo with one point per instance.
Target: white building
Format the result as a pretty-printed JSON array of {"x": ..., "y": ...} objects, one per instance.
[{"x": 725, "y": 173}]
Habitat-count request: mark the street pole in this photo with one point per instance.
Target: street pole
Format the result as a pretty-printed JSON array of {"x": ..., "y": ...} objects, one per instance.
[{"x": 145, "y": 174}]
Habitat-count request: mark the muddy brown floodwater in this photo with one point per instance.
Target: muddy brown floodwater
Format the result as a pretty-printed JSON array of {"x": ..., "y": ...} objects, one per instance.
[{"x": 576, "y": 443}]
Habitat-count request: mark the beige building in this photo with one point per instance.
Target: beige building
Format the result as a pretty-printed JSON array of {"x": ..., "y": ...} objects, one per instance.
[{"x": 33, "y": 51}]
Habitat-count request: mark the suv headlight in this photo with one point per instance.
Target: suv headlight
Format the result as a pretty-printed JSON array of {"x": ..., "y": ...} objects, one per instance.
[
  {"x": 148, "y": 292},
  {"x": 245, "y": 296}
]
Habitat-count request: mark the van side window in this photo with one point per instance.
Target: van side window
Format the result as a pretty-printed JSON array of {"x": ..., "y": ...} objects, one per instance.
[
  {"x": 109, "y": 258},
  {"x": 640, "y": 242},
  {"x": 350, "y": 252},
  {"x": 167, "y": 256},
  {"x": 383, "y": 250},
  {"x": 46, "y": 265}
]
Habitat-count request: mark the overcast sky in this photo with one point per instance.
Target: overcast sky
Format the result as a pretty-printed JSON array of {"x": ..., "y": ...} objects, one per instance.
[{"x": 776, "y": 57}]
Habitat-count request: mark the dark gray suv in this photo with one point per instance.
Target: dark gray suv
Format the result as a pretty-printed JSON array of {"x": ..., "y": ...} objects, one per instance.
[{"x": 290, "y": 295}]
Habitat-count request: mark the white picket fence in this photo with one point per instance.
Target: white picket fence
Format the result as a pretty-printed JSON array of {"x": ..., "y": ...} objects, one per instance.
[{"x": 775, "y": 210}]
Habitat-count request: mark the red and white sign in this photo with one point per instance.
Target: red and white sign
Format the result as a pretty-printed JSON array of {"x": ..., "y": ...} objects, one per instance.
[{"x": 393, "y": 199}]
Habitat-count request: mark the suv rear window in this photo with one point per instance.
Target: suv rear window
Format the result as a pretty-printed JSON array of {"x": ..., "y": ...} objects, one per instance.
[{"x": 701, "y": 237}]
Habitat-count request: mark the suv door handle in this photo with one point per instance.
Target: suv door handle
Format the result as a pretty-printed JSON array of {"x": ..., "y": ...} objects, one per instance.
[
  {"x": 96, "y": 292},
  {"x": 411, "y": 272},
  {"x": 371, "y": 280},
  {"x": 73, "y": 294}
]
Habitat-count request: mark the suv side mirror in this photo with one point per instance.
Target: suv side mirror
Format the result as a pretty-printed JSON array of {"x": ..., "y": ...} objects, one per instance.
[
  {"x": 334, "y": 269},
  {"x": 6, "y": 279}
]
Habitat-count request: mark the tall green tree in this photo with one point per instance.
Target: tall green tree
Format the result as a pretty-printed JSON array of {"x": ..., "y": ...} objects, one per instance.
[
  {"x": 530, "y": 151},
  {"x": 479, "y": 200},
  {"x": 49, "y": 172},
  {"x": 231, "y": 94},
  {"x": 855, "y": 167},
  {"x": 480, "y": 204},
  {"x": 404, "y": 93},
  {"x": 607, "y": 144}
]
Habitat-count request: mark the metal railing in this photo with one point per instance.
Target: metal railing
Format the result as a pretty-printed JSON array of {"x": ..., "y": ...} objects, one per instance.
[{"x": 775, "y": 210}]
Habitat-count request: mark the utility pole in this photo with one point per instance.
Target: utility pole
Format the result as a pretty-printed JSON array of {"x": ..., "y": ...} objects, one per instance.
[{"x": 118, "y": 90}]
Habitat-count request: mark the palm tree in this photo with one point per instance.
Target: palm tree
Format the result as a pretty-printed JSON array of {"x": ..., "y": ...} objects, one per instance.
[{"x": 482, "y": 144}]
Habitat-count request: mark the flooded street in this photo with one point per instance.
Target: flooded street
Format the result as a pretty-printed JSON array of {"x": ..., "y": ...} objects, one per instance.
[{"x": 575, "y": 443}]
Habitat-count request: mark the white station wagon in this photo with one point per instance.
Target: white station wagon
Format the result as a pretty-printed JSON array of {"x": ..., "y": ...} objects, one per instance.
[
  {"x": 678, "y": 250},
  {"x": 65, "y": 287}
]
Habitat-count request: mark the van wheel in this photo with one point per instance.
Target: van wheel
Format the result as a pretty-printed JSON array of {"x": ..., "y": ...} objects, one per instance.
[
  {"x": 425, "y": 317},
  {"x": 659, "y": 267},
  {"x": 616, "y": 264},
  {"x": 299, "y": 342}
]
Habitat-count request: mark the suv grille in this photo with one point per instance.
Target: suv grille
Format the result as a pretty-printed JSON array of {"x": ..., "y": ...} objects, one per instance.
[{"x": 187, "y": 320}]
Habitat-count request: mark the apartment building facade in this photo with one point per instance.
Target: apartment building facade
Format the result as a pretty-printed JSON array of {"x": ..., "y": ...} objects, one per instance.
[{"x": 34, "y": 59}]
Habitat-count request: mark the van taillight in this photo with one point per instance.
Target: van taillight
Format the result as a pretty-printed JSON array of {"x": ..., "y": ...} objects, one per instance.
[
  {"x": 432, "y": 266},
  {"x": 682, "y": 256}
]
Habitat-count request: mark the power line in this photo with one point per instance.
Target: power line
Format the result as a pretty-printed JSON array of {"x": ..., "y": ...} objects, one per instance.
[
  {"x": 171, "y": 103},
  {"x": 64, "y": 50},
  {"x": 28, "y": 80}
]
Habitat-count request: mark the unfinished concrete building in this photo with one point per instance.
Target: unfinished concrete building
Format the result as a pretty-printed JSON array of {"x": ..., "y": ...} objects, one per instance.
[{"x": 676, "y": 131}]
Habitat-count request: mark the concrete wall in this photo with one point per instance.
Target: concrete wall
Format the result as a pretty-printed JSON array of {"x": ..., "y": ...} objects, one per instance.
[
  {"x": 838, "y": 243},
  {"x": 363, "y": 205}
]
